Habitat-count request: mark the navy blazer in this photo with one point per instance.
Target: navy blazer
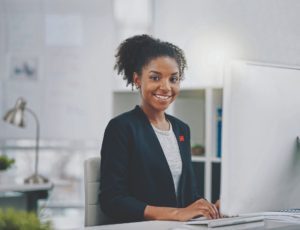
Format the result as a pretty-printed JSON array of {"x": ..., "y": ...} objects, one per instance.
[{"x": 135, "y": 172}]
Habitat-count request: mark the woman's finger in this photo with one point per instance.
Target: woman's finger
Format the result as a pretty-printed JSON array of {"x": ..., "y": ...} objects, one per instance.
[
  {"x": 206, "y": 213},
  {"x": 209, "y": 211},
  {"x": 213, "y": 210},
  {"x": 209, "y": 208},
  {"x": 216, "y": 210}
]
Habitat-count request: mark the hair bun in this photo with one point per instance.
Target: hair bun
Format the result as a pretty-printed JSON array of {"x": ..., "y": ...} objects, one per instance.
[{"x": 135, "y": 52}]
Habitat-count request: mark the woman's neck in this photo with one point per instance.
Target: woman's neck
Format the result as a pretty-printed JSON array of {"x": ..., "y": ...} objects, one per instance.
[{"x": 156, "y": 118}]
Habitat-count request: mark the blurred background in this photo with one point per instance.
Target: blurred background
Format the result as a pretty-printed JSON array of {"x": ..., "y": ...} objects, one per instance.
[{"x": 59, "y": 54}]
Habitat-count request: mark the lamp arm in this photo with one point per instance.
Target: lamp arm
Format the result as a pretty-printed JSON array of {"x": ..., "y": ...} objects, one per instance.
[{"x": 37, "y": 139}]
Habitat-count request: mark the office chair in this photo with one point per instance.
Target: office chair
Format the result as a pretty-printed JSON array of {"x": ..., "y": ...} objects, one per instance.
[{"x": 93, "y": 213}]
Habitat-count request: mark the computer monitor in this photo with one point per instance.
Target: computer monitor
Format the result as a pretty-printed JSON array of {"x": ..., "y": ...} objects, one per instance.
[{"x": 261, "y": 121}]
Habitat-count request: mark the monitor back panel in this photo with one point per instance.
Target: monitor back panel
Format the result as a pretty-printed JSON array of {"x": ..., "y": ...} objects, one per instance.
[{"x": 261, "y": 121}]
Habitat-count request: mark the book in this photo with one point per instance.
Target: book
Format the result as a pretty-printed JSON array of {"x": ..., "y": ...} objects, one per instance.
[{"x": 219, "y": 132}]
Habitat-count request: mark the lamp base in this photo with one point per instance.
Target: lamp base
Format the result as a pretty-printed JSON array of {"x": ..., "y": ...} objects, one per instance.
[{"x": 36, "y": 179}]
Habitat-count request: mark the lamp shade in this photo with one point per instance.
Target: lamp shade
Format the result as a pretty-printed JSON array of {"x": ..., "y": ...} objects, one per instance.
[{"x": 15, "y": 115}]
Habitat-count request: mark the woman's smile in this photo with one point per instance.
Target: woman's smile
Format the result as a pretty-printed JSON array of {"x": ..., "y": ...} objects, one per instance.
[{"x": 162, "y": 97}]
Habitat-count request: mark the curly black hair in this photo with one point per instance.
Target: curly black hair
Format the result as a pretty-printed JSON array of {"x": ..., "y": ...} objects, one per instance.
[{"x": 137, "y": 51}]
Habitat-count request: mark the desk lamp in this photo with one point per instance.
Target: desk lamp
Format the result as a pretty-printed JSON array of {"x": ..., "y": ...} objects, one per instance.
[{"x": 15, "y": 116}]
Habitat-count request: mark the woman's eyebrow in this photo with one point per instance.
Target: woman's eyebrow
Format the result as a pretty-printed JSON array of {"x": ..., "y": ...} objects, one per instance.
[
  {"x": 156, "y": 72},
  {"x": 153, "y": 71}
]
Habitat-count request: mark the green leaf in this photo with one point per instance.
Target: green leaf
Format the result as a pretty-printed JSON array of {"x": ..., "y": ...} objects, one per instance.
[
  {"x": 6, "y": 162},
  {"x": 11, "y": 219}
]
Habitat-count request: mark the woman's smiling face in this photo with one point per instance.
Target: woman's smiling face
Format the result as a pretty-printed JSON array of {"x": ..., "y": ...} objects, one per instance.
[{"x": 159, "y": 83}]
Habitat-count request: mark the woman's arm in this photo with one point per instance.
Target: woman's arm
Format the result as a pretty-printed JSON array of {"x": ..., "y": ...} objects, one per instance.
[
  {"x": 115, "y": 198},
  {"x": 200, "y": 207}
]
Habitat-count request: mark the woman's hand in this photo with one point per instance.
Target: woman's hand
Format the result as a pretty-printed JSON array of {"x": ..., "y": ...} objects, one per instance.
[
  {"x": 200, "y": 207},
  {"x": 217, "y": 204}
]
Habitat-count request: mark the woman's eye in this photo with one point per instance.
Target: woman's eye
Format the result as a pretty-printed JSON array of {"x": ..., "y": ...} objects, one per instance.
[
  {"x": 174, "y": 79},
  {"x": 155, "y": 78}
]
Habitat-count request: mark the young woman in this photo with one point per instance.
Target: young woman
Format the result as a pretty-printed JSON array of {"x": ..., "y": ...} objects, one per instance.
[{"x": 146, "y": 170}]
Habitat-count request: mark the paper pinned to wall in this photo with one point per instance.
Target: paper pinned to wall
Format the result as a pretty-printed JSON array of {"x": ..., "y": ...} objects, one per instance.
[
  {"x": 64, "y": 30},
  {"x": 60, "y": 63},
  {"x": 24, "y": 32}
]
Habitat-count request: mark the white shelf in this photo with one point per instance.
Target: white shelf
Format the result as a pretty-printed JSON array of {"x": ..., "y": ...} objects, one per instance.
[
  {"x": 190, "y": 108},
  {"x": 216, "y": 160},
  {"x": 199, "y": 159},
  {"x": 124, "y": 101},
  {"x": 206, "y": 159}
]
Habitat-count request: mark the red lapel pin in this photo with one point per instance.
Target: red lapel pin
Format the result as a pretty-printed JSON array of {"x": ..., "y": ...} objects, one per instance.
[{"x": 181, "y": 138}]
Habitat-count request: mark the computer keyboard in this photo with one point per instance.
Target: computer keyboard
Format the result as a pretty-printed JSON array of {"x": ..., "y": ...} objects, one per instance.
[
  {"x": 290, "y": 215},
  {"x": 291, "y": 210},
  {"x": 233, "y": 221},
  {"x": 226, "y": 221}
]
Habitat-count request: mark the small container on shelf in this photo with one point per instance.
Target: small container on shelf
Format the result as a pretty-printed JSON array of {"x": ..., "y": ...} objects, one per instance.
[{"x": 198, "y": 150}]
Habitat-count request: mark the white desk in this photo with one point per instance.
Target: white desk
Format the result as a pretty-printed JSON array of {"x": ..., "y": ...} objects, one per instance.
[
  {"x": 169, "y": 225},
  {"x": 25, "y": 187},
  {"x": 24, "y": 196}
]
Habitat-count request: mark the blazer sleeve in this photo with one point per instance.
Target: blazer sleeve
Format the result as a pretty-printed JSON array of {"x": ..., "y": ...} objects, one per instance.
[{"x": 115, "y": 199}]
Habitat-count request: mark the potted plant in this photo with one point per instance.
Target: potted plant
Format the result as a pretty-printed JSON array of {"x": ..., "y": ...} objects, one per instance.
[
  {"x": 198, "y": 150},
  {"x": 6, "y": 162},
  {"x": 11, "y": 219}
]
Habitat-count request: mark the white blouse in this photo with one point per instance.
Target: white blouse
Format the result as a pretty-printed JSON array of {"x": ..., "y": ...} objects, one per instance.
[{"x": 169, "y": 144}]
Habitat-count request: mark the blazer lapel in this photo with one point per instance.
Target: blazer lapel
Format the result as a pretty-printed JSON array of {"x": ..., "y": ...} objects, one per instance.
[
  {"x": 182, "y": 140},
  {"x": 158, "y": 153}
]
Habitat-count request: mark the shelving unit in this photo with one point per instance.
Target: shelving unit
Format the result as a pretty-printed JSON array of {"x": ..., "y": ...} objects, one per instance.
[{"x": 198, "y": 108}]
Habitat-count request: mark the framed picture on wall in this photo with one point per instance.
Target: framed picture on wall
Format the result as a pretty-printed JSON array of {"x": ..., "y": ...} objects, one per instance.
[{"x": 23, "y": 68}]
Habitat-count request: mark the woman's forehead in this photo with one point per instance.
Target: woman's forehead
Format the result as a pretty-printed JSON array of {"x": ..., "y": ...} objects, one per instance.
[{"x": 163, "y": 63}]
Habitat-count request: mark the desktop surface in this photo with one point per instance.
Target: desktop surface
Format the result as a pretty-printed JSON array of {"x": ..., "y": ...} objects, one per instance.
[
  {"x": 25, "y": 187},
  {"x": 175, "y": 225}
]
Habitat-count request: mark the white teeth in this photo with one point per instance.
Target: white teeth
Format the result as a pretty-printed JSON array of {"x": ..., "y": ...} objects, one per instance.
[{"x": 162, "y": 97}]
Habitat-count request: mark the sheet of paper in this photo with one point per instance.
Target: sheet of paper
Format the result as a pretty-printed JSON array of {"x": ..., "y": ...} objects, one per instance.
[
  {"x": 64, "y": 30},
  {"x": 24, "y": 31}
]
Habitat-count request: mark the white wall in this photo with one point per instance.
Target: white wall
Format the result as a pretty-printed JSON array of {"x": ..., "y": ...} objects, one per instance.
[
  {"x": 211, "y": 31},
  {"x": 73, "y": 44},
  {"x": 72, "y": 93}
]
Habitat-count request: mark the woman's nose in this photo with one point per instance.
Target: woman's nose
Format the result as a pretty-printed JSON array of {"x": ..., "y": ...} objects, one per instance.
[{"x": 165, "y": 85}]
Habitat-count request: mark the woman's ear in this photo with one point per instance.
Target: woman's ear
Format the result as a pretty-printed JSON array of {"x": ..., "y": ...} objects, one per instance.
[{"x": 136, "y": 80}]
